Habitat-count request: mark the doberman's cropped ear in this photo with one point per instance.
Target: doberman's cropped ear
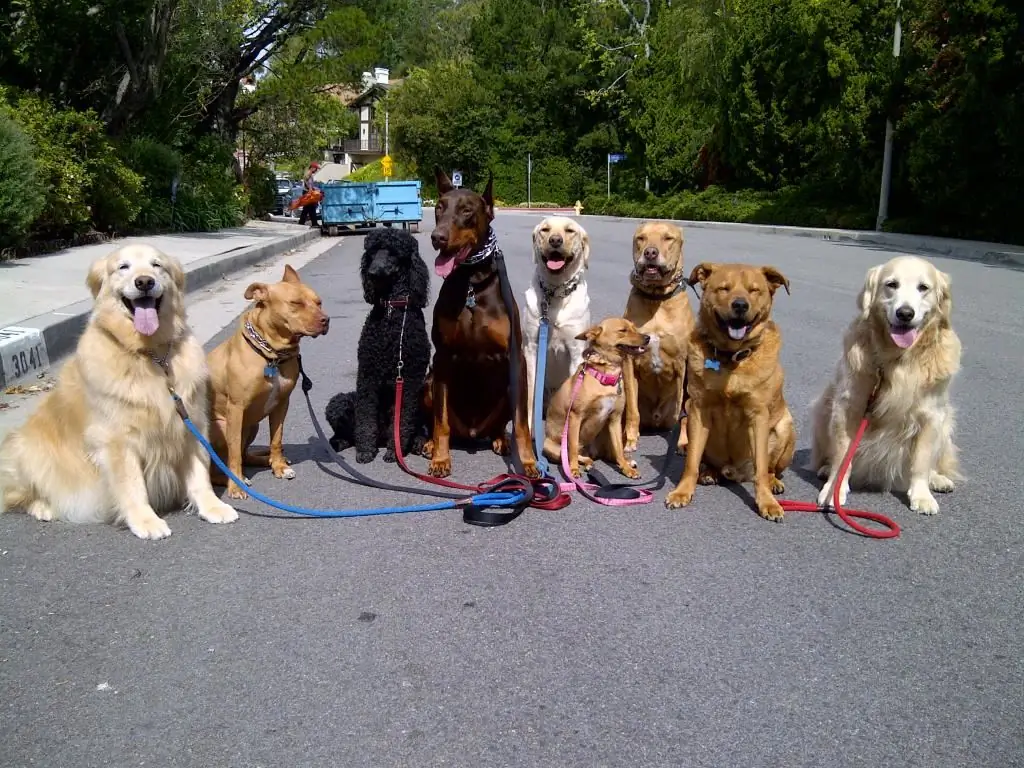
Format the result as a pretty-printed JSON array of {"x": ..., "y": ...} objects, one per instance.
[
  {"x": 257, "y": 292},
  {"x": 444, "y": 184},
  {"x": 591, "y": 334},
  {"x": 701, "y": 273},
  {"x": 97, "y": 274},
  {"x": 775, "y": 279},
  {"x": 290, "y": 275},
  {"x": 488, "y": 194}
]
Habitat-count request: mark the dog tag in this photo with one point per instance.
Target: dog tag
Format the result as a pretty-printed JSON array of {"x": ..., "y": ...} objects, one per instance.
[
  {"x": 714, "y": 365},
  {"x": 470, "y": 298},
  {"x": 270, "y": 371}
]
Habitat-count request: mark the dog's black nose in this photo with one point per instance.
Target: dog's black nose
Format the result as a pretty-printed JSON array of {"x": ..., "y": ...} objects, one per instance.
[
  {"x": 650, "y": 253},
  {"x": 740, "y": 306},
  {"x": 555, "y": 241},
  {"x": 146, "y": 284},
  {"x": 439, "y": 240},
  {"x": 905, "y": 314}
]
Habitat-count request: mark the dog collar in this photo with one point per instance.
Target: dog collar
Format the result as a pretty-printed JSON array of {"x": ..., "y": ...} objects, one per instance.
[
  {"x": 262, "y": 347},
  {"x": 486, "y": 252},
  {"x": 677, "y": 282},
  {"x": 392, "y": 304},
  {"x": 606, "y": 379},
  {"x": 560, "y": 291},
  {"x": 714, "y": 362}
]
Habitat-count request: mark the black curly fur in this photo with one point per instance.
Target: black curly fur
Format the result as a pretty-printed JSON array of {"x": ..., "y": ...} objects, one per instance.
[{"x": 391, "y": 268}]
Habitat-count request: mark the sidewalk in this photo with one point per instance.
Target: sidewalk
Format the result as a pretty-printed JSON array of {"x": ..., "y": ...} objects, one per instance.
[{"x": 46, "y": 301}]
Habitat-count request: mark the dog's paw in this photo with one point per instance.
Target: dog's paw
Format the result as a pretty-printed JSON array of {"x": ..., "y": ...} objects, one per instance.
[
  {"x": 824, "y": 471},
  {"x": 148, "y": 526},
  {"x": 630, "y": 441},
  {"x": 776, "y": 485},
  {"x": 940, "y": 483},
  {"x": 418, "y": 444},
  {"x": 922, "y": 502},
  {"x": 707, "y": 476},
  {"x": 41, "y": 511},
  {"x": 284, "y": 473},
  {"x": 365, "y": 457},
  {"x": 234, "y": 492},
  {"x": 218, "y": 512},
  {"x": 681, "y": 496},
  {"x": 630, "y": 471},
  {"x": 389, "y": 456},
  {"x": 427, "y": 449},
  {"x": 586, "y": 462},
  {"x": 575, "y": 470},
  {"x": 531, "y": 470},
  {"x": 770, "y": 509},
  {"x": 825, "y": 496},
  {"x": 500, "y": 446},
  {"x": 441, "y": 467}
]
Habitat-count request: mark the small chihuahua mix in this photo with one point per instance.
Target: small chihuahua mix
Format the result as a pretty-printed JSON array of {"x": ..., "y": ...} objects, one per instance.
[{"x": 594, "y": 406}]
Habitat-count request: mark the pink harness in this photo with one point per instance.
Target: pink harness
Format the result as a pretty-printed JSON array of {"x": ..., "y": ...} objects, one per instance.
[{"x": 608, "y": 380}]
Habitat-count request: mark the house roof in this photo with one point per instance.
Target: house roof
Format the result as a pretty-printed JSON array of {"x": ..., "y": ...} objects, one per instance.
[{"x": 350, "y": 97}]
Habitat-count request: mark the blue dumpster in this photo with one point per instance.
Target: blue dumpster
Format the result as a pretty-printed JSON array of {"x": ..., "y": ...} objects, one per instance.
[{"x": 369, "y": 204}]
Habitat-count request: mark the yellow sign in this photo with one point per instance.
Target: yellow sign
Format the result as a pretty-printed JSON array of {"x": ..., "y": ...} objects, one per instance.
[
  {"x": 387, "y": 166},
  {"x": 578, "y": 207}
]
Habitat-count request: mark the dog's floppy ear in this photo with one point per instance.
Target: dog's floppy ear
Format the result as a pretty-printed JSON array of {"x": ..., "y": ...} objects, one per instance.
[
  {"x": 867, "y": 293},
  {"x": 584, "y": 246},
  {"x": 944, "y": 293},
  {"x": 775, "y": 279},
  {"x": 591, "y": 334},
  {"x": 444, "y": 184},
  {"x": 177, "y": 273},
  {"x": 488, "y": 194},
  {"x": 257, "y": 292},
  {"x": 97, "y": 274},
  {"x": 290, "y": 275},
  {"x": 701, "y": 273}
]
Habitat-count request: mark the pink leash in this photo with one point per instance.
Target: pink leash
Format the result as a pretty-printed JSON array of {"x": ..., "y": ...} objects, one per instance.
[{"x": 643, "y": 496}]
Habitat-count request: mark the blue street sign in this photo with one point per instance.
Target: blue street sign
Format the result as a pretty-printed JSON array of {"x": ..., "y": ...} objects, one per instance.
[{"x": 616, "y": 158}]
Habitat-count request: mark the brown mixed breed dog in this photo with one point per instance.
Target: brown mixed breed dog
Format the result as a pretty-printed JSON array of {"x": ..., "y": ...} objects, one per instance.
[
  {"x": 658, "y": 306},
  {"x": 254, "y": 372},
  {"x": 474, "y": 336},
  {"x": 595, "y": 419},
  {"x": 739, "y": 424}
]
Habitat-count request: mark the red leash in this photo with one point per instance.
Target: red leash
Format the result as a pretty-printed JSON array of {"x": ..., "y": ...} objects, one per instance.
[{"x": 889, "y": 530}]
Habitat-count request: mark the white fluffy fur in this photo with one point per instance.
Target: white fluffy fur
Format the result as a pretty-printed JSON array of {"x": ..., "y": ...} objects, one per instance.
[
  {"x": 567, "y": 317},
  {"x": 106, "y": 444},
  {"x": 908, "y": 445}
]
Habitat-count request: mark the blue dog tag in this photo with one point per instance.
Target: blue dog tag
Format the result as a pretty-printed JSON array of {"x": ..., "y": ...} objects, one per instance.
[
  {"x": 270, "y": 371},
  {"x": 714, "y": 365}
]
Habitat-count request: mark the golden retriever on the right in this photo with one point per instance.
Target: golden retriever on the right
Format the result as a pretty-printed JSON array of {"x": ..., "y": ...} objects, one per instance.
[{"x": 902, "y": 342}]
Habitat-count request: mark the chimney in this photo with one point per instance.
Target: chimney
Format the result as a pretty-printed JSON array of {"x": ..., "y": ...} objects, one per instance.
[{"x": 380, "y": 74}]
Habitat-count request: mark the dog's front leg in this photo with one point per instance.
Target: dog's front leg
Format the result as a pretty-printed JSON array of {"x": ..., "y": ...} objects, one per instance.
[
  {"x": 530, "y": 352},
  {"x": 367, "y": 406},
  {"x": 278, "y": 462},
  {"x": 922, "y": 459},
  {"x": 626, "y": 467},
  {"x": 631, "y": 391},
  {"x": 201, "y": 495},
  {"x": 848, "y": 409},
  {"x": 698, "y": 433},
  {"x": 126, "y": 484},
  {"x": 441, "y": 457},
  {"x": 233, "y": 425},
  {"x": 572, "y": 443},
  {"x": 520, "y": 425},
  {"x": 758, "y": 431},
  {"x": 680, "y": 409}
]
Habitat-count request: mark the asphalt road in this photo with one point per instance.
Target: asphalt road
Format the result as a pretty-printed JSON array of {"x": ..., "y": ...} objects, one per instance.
[{"x": 585, "y": 637}]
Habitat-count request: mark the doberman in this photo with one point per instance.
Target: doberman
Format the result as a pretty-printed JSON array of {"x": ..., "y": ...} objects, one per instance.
[{"x": 468, "y": 387}]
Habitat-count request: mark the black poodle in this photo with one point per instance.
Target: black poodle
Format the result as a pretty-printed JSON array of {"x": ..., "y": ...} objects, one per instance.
[{"x": 395, "y": 285}]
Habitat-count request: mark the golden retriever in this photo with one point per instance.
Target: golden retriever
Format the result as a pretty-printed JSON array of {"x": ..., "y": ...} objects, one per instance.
[
  {"x": 738, "y": 421},
  {"x": 654, "y": 382},
  {"x": 107, "y": 443},
  {"x": 561, "y": 254},
  {"x": 901, "y": 347},
  {"x": 255, "y": 371},
  {"x": 595, "y": 420}
]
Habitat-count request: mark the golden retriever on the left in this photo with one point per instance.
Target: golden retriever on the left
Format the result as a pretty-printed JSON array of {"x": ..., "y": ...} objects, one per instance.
[{"x": 107, "y": 444}]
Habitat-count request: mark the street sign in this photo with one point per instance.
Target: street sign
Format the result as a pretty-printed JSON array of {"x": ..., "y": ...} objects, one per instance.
[
  {"x": 457, "y": 178},
  {"x": 616, "y": 158},
  {"x": 387, "y": 166}
]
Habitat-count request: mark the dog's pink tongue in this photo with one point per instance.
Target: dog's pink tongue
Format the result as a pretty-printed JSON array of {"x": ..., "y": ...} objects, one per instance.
[
  {"x": 556, "y": 263},
  {"x": 146, "y": 320},
  {"x": 904, "y": 339},
  {"x": 444, "y": 264}
]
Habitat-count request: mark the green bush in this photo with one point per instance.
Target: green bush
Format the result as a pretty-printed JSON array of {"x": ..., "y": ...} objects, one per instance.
[
  {"x": 375, "y": 172},
  {"x": 261, "y": 187},
  {"x": 209, "y": 197},
  {"x": 21, "y": 193},
  {"x": 158, "y": 165},
  {"x": 87, "y": 184}
]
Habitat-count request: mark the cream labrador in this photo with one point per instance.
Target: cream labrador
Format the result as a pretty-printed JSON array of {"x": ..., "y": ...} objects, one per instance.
[
  {"x": 561, "y": 255},
  {"x": 107, "y": 443},
  {"x": 903, "y": 348}
]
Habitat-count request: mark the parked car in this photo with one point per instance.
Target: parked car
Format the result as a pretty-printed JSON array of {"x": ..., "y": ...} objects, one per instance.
[{"x": 282, "y": 196}]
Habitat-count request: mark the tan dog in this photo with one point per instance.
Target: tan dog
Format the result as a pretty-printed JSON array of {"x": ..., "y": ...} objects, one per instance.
[
  {"x": 903, "y": 343},
  {"x": 254, "y": 373},
  {"x": 654, "y": 382},
  {"x": 595, "y": 423},
  {"x": 107, "y": 444},
  {"x": 739, "y": 424}
]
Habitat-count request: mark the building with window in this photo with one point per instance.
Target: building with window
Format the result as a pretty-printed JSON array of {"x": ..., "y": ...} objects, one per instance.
[{"x": 368, "y": 145}]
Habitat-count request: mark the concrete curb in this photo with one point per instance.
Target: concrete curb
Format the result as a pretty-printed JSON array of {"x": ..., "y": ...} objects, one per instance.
[
  {"x": 995, "y": 254},
  {"x": 62, "y": 327}
]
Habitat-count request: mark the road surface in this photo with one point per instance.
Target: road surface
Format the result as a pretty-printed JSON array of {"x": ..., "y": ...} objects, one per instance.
[{"x": 586, "y": 637}]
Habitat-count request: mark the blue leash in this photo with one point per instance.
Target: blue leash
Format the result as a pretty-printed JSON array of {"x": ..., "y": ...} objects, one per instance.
[
  {"x": 492, "y": 499},
  {"x": 538, "y": 395}
]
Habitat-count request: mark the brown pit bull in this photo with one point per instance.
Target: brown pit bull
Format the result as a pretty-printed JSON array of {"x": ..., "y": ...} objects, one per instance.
[{"x": 254, "y": 372}]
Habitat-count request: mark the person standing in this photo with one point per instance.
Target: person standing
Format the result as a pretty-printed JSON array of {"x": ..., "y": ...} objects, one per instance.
[{"x": 308, "y": 185}]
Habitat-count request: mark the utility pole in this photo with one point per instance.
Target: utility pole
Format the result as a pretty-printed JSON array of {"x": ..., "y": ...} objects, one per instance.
[
  {"x": 609, "y": 176},
  {"x": 387, "y": 144},
  {"x": 883, "y": 194},
  {"x": 529, "y": 179}
]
